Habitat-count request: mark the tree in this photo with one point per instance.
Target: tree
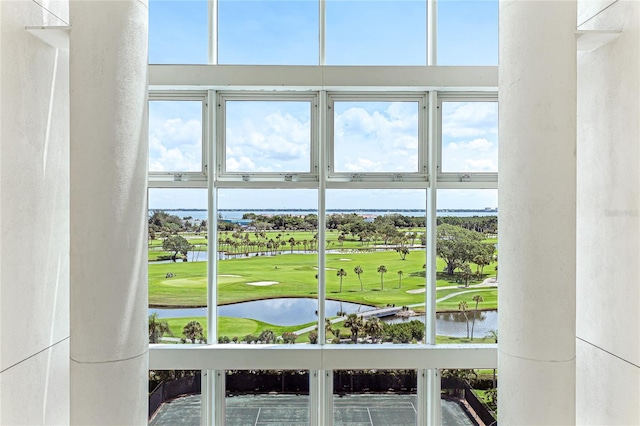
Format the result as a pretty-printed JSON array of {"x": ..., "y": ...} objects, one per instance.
[
  {"x": 358, "y": 271},
  {"x": 382, "y": 270},
  {"x": 176, "y": 244},
  {"x": 456, "y": 245},
  {"x": 462, "y": 306},
  {"x": 477, "y": 298},
  {"x": 267, "y": 336},
  {"x": 466, "y": 273},
  {"x": 289, "y": 337},
  {"x": 157, "y": 328},
  {"x": 373, "y": 327},
  {"x": 313, "y": 337},
  {"x": 341, "y": 273},
  {"x": 403, "y": 252},
  {"x": 355, "y": 324},
  {"x": 193, "y": 331}
]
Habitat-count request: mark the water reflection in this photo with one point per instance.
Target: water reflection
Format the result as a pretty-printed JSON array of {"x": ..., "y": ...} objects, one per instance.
[{"x": 281, "y": 311}]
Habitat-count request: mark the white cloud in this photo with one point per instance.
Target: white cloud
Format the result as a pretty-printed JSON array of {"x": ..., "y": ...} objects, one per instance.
[
  {"x": 480, "y": 144},
  {"x": 363, "y": 165},
  {"x": 175, "y": 145},
  {"x": 477, "y": 155},
  {"x": 240, "y": 164},
  {"x": 377, "y": 140},
  {"x": 276, "y": 141},
  {"x": 469, "y": 119},
  {"x": 480, "y": 165}
]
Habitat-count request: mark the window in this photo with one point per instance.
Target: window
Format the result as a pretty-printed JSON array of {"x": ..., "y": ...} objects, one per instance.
[
  {"x": 376, "y": 135},
  {"x": 467, "y": 32},
  {"x": 267, "y": 134},
  {"x": 358, "y": 32},
  {"x": 469, "y": 135},
  {"x": 178, "y": 31},
  {"x": 176, "y": 134},
  {"x": 323, "y": 194},
  {"x": 268, "y": 32}
]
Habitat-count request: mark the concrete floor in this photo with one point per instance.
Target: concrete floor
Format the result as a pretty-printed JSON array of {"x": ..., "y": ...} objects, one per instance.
[{"x": 290, "y": 410}]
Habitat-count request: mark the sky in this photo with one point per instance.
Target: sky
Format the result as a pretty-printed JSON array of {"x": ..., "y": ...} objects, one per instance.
[{"x": 274, "y": 136}]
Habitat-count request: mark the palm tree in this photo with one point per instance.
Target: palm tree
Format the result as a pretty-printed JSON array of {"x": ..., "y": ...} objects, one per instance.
[
  {"x": 492, "y": 334},
  {"x": 267, "y": 336},
  {"x": 157, "y": 328},
  {"x": 466, "y": 273},
  {"x": 341, "y": 273},
  {"x": 373, "y": 327},
  {"x": 358, "y": 270},
  {"x": 462, "y": 306},
  {"x": 193, "y": 331},
  {"x": 355, "y": 324},
  {"x": 382, "y": 270},
  {"x": 400, "y": 279},
  {"x": 477, "y": 298}
]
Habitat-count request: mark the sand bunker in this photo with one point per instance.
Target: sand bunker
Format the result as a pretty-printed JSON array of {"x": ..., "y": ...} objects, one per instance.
[
  {"x": 263, "y": 283},
  {"x": 326, "y": 269},
  {"x": 345, "y": 259},
  {"x": 230, "y": 276},
  {"x": 416, "y": 291}
]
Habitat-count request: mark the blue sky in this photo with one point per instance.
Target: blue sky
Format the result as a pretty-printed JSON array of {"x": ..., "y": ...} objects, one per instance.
[{"x": 273, "y": 136}]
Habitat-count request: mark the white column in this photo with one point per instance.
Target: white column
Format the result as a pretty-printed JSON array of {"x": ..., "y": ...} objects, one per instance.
[
  {"x": 537, "y": 187},
  {"x": 108, "y": 295}
]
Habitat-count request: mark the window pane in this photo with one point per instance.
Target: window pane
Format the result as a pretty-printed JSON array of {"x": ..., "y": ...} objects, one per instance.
[
  {"x": 268, "y": 32},
  {"x": 467, "y": 32},
  {"x": 175, "y": 136},
  {"x": 468, "y": 396},
  {"x": 268, "y": 136},
  {"x": 375, "y": 258},
  {"x": 375, "y": 137},
  {"x": 467, "y": 285},
  {"x": 267, "y": 266},
  {"x": 374, "y": 397},
  {"x": 174, "y": 397},
  {"x": 469, "y": 136},
  {"x": 178, "y": 32},
  {"x": 376, "y": 32},
  {"x": 177, "y": 265},
  {"x": 257, "y": 397}
]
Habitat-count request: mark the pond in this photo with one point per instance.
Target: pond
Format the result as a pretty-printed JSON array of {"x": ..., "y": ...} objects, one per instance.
[
  {"x": 298, "y": 311},
  {"x": 281, "y": 311},
  {"x": 453, "y": 324}
]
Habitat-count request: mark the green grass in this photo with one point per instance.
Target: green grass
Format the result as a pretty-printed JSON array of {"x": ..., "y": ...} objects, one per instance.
[
  {"x": 238, "y": 327},
  {"x": 241, "y": 327},
  {"x": 295, "y": 274}
]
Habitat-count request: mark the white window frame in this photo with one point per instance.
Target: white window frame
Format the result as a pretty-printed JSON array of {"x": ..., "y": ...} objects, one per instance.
[
  {"x": 266, "y": 177},
  {"x": 419, "y": 178},
  {"x": 179, "y": 178},
  {"x": 460, "y": 179},
  {"x": 321, "y": 359}
]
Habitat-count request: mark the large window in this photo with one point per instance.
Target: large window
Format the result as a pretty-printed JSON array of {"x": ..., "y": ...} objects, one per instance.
[{"x": 322, "y": 223}]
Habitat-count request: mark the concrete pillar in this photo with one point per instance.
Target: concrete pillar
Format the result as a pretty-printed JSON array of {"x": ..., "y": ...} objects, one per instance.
[
  {"x": 108, "y": 295},
  {"x": 537, "y": 211}
]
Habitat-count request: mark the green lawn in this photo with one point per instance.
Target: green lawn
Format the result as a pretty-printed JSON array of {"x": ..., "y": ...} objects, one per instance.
[
  {"x": 241, "y": 327},
  {"x": 295, "y": 277},
  {"x": 238, "y": 327}
]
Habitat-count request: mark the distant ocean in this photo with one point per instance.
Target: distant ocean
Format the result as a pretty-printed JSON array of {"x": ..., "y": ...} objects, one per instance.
[{"x": 237, "y": 214}]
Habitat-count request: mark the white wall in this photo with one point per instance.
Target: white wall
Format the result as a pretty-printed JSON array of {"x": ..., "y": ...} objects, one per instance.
[
  {"x": 608, "y": 220},
  {"x": 34, "y": 221}
]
